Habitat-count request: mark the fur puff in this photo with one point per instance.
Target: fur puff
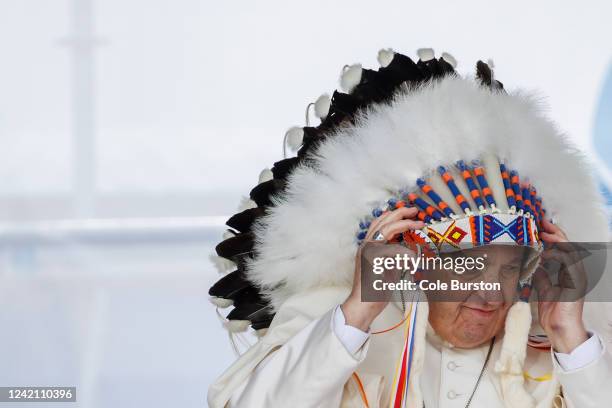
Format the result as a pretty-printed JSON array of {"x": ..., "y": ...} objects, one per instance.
[
  {"x": 350, "y": 77},
  {"x": 294, "y": 137},
  {"x": 512, "y": 357},
  {"x": 265, "y": 175},
  {"x": 222, "y": 265},
  {"x": 308, "y": 238},
  {"x": 246, "y": 203},
  {"x": 236, "y": 326},
  {"x": 450, "y": 59},
  {"x": 426, "y": 54},
  {"x": 321, "y": 106},
  {"x": 221, "y": 302},
  {"x": 385, "y": 56}
]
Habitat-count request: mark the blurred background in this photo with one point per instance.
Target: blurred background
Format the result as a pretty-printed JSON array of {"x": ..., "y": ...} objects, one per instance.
[{"x": 129, "y": 131}]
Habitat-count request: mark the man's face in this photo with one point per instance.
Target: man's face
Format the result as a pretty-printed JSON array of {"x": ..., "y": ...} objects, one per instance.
[{"x": 469, "y": 318}]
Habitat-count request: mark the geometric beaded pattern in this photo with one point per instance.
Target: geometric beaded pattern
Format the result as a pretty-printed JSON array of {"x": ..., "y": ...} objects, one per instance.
[{"x": 482, "y": 229}]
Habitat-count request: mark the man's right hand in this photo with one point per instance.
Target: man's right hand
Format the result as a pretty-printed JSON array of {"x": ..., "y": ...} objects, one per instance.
[{"x": 361, "y": 314}]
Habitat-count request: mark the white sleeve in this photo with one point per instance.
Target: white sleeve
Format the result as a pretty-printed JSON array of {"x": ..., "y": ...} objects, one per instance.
[
  {"x": 587, "y": 386},
  {"x": 582, "y": 355},
  {"x": 309, "y": 370},
  {"x": 351, "y": 337}
]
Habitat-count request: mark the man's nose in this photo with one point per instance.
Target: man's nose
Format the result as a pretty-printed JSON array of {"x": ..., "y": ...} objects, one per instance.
[{"x": 494, "y": 296}]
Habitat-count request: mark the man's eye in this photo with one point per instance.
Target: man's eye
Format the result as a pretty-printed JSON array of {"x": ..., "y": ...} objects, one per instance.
[{"x": 469, "y": 274}]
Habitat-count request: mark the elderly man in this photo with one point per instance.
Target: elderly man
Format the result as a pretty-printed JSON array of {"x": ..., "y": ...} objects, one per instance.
[{"x": 441, "y": 154}]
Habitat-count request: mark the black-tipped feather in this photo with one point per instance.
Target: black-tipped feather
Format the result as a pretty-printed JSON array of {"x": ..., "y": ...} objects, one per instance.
[
  {"x": 235, "y": 246},
  {"x": 402, "y": 69},
  {"x": 343, "y": 104},
  {"x": 249, "y": 305},
  {"x": 312, "y": 137},
  {"x": 281, "y": 169},
  {"x": 373, "y": 87},
  {"x": 446, "y": 67},
  {"x": 262, "y": 324},
  {"x": 230, "y": 285},
  {"x": 263, "y": 192},
  {"x": 483, "y": 73},
  {"x": 243, "y": 221}
]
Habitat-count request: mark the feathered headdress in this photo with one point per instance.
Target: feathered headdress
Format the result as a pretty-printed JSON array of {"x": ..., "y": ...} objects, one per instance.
[{"x": 409, "y": 133}]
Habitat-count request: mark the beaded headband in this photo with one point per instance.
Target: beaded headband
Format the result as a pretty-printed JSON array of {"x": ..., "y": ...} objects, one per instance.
[{"x": 472, "y": 215}]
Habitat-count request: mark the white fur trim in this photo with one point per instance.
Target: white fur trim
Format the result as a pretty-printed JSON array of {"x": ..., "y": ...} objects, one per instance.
[
  {"x": 321, "y": 106},
  {"x": 426, "y": 54},
  {"x": 221, "y": 302},
  {"x": 385, "y": 56},
  {"x": 294, "y": 137},
  {"x": 246, "y": 203},
  {"x": 420, "y": 131},
  {"x": 350, "y": 77},
  {"x": 511, "y": 362},
  {"x": 236, "y": 326},
  {"x": 450, "y": 59},
  {"x": 265, "y": 175}
]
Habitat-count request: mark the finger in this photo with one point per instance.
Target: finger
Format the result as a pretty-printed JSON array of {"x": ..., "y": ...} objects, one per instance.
[
  {"x": 399, "y": 214},
  {"x": 375, "y": 224},
  {"x": 552, "y": 237},
  {"x": 571, "y": 274},
  {"x": 561, "y": 253},
  {"x": 392, "y": 229},
  {"x": 543, "y": 285},
  {"x": 391, "y": 216},
  {"x": 551, "y": 228}
]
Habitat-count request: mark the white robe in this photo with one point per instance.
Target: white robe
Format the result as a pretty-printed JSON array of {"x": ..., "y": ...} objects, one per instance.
[{"x": 300, "y": 362}]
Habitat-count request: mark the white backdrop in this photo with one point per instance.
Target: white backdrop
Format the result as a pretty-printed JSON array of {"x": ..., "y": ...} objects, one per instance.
[{"x": 129, "y": 131}]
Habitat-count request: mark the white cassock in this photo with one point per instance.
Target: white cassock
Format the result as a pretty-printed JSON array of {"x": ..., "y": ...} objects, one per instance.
[{"x": 308, "y": 357}]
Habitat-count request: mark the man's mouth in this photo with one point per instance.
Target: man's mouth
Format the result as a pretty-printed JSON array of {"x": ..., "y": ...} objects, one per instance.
[{"x": 481, "y": 311}]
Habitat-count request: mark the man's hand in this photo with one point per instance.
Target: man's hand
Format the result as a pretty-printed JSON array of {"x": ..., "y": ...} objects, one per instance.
[
  {"x": 361, "y": 314},
  {"x": 560, "y": 313}
]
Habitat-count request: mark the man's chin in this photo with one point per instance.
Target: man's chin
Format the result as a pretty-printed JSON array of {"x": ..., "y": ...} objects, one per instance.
[{"x": 478, "y": 327}]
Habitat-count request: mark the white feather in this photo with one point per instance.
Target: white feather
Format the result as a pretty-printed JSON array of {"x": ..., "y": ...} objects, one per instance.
[
  {"x": 426, "y": 54},
  {"x": 237, "y": 326},
  {"x": 385, "y": 56},
  {"x": 490, "y": 63},
  {"x": 450, "y": 59},
  {"x": 221, "y": 302},
  {"x": 227, "y": 234},
  {"x": 265, "y": 175},
  {"x": 294, "y": 137},
  {"x": 322, "y": 105},
  {"x": 511, "y": 361},
  {"x": 350, "y": 78}
]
